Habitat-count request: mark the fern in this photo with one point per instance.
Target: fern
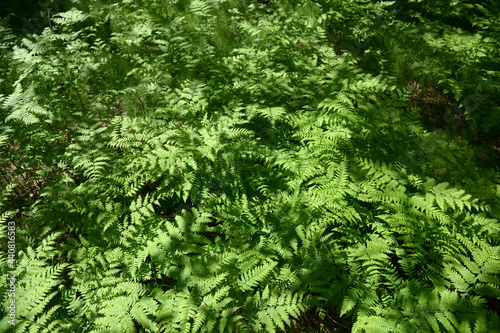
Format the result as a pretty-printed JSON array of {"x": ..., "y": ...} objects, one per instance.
[{"x": 213, "y": 165}]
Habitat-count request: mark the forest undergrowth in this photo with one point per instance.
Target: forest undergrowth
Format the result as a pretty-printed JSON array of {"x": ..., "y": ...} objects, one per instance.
[{"x": 251, "y": 166}]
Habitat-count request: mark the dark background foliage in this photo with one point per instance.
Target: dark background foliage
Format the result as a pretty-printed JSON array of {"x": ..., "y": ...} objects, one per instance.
[{"x": 202, "y": 165}]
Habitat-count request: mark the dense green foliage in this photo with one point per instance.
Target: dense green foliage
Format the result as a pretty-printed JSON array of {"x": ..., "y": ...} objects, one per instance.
[{"x": 223, "y": 165}]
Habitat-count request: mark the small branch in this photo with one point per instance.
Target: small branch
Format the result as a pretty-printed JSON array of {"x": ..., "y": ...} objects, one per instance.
[
  {"x": 140, "y": 101},
  {"x": 336, "y": 322},
  {"x": 48, "y": 17}
]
